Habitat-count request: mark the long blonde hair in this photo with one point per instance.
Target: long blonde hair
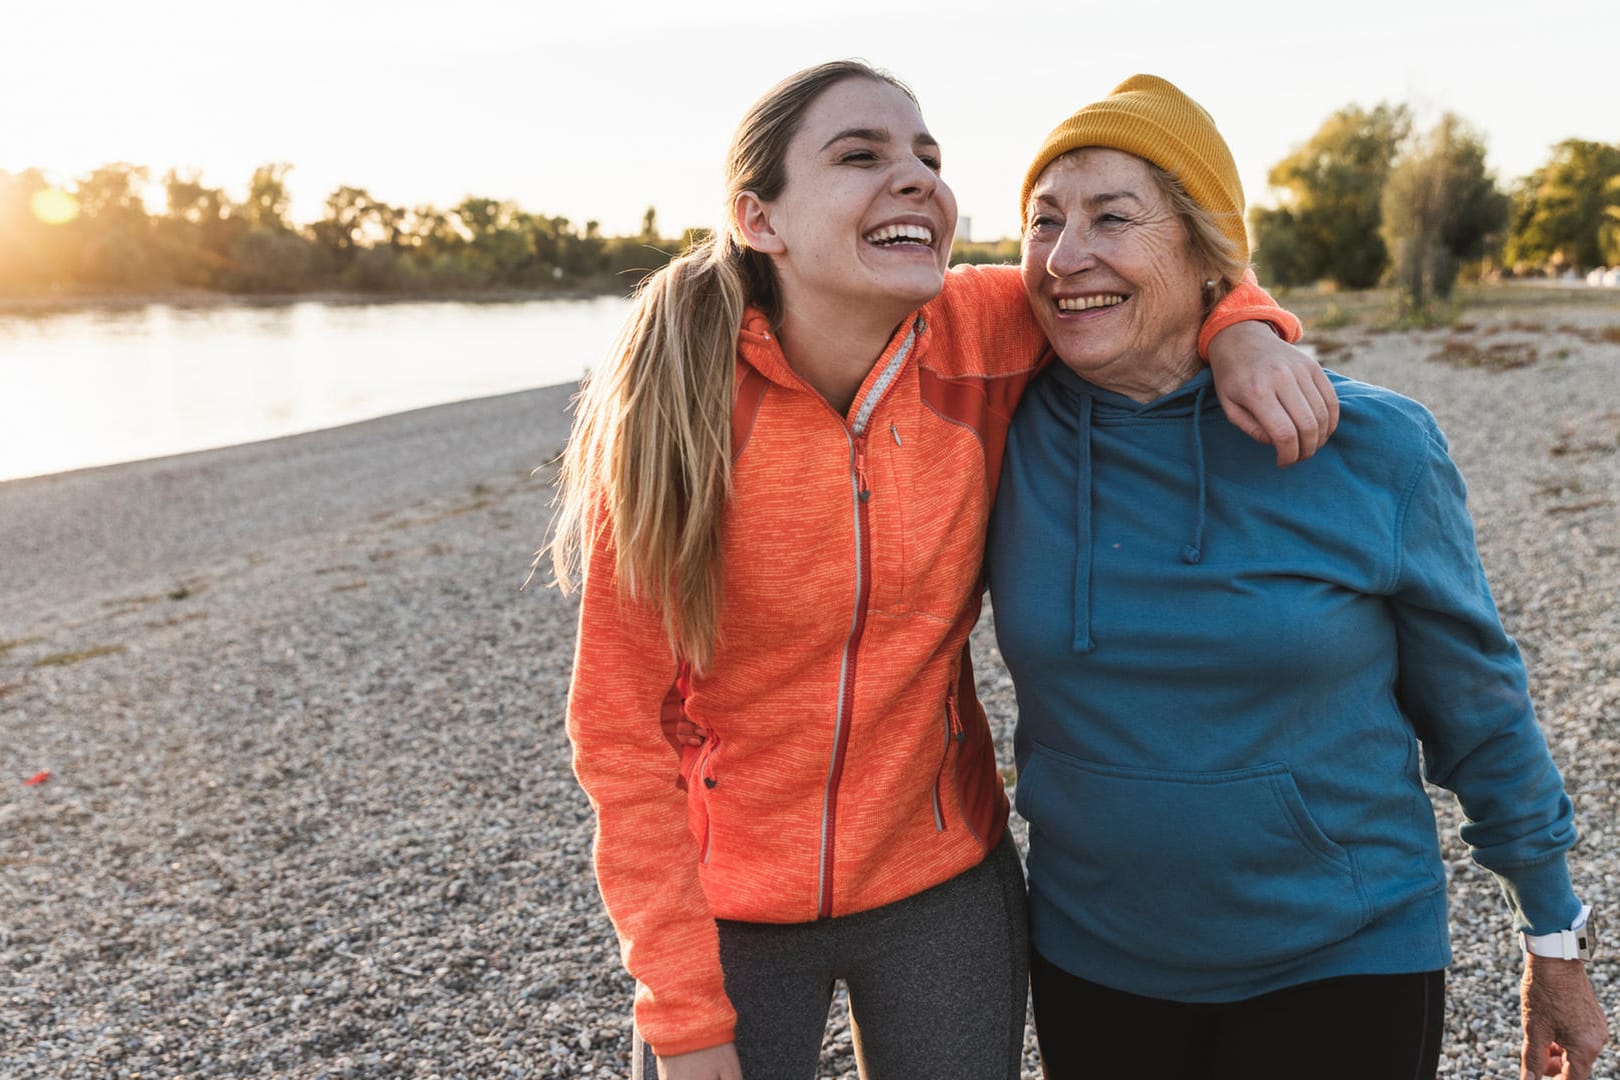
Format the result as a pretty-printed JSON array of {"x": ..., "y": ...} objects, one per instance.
[{"x": 649, "y": 458}]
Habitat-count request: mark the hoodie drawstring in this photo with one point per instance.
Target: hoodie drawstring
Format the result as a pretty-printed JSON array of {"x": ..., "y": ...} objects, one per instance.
[
  {"x": 1082, "y": 531},
  {"x": 1193, "y": 552}
]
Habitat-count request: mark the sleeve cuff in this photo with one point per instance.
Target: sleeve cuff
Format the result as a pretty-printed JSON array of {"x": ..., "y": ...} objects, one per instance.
[
  {"x": 693, "y": 1043},
  {"x": 1541, "y": 896},
  {"x": 1283, "y": 322}
]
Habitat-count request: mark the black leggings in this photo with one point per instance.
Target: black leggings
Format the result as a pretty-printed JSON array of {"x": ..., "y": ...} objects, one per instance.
[
  {"x": 1358, "y": 1027},
  {"x": 937, "y": 983}
]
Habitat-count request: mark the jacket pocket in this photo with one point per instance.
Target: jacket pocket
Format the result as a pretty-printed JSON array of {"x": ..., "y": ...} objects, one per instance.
[
  {"x": 1193, "y": 870},
  {"x": 697, "y": 768},
  {"x": 954, "y": 734}
]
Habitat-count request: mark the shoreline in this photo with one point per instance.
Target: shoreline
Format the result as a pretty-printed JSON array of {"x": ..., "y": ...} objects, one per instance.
[
  {"x": 61, "y": 303},
  {"x": 148, "y": 521}
]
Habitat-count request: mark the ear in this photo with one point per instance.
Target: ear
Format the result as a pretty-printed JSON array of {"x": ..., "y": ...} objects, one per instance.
[{"x": 753, "y": 217}]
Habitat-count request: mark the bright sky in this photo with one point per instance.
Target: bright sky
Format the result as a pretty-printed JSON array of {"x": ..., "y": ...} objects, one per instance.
[{"x": 597, "y": 110}]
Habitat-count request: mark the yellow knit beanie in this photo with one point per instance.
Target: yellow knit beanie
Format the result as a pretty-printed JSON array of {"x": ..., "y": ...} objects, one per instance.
[{"x": 1148, "y": 117}]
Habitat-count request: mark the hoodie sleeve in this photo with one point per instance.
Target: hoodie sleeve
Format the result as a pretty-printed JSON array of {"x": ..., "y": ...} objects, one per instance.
[
  {"x": 646, "y": 858},
  {"x": 1464, "y": 686},
  {"x": 1246, "y": 302}
]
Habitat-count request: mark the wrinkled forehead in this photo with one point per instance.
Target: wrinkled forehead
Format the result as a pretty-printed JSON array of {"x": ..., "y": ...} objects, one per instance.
[{"x": 1088, "y": 172}]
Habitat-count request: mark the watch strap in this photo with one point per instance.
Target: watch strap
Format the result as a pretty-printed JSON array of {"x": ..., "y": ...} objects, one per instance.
[{"x": 1576, "y": 943}]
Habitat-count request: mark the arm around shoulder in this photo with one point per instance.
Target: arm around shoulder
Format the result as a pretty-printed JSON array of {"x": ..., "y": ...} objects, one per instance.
[{"x": 1270, "y": 390}]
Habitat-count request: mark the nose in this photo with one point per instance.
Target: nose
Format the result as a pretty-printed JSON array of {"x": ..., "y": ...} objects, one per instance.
[
  {"x": 916, "y": 179},
  {"x": 1072, "y": 251}
]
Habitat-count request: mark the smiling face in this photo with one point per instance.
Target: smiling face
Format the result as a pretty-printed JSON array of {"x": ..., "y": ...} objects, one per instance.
[
  {"x": 1111, "y": 275},
  {"x": 864, "y": 221}
]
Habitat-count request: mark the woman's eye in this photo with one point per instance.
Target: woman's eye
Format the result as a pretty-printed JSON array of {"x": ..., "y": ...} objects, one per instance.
[
  {"x": 1111, "y": 219},
  {"x": 1040, "y": 223},
  {"x": 858, "y": 157},
  {"x": 932, "y": 162}
]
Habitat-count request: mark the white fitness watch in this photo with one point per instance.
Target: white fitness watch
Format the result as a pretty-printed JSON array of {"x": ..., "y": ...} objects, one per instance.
[{"x": 1579, "y": 942}]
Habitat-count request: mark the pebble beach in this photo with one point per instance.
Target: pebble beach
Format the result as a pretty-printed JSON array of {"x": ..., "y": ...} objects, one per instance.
[{"x": 284, "y": 787}]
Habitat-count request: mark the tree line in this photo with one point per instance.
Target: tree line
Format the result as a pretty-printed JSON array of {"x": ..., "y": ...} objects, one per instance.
[
  {"x": 99, "y": 235},
  {"x": 1365, "y": 200},
  {"x": 1368, "y": 200}
]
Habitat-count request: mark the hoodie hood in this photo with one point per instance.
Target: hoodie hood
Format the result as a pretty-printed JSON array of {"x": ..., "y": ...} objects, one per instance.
[{"x": 1096, "y": 407}]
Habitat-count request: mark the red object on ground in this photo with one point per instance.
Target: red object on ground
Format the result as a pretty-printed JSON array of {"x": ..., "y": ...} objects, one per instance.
[{"x": 38, "y": 778}]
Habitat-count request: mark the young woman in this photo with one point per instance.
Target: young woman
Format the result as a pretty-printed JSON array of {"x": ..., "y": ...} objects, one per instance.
[{"x": 809, "y": 410}]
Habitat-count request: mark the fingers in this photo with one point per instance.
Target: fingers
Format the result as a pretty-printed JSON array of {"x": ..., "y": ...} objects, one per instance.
[
  {"x": 1311, "y": 408},
  {"x": 1330, "y": 400},
  {"x": 1564, "y": 1026},
  {"x": 1307, "y": 412},
  {"x": 1269, "y": 421},
  {"x": 1540, "y": 1059}
]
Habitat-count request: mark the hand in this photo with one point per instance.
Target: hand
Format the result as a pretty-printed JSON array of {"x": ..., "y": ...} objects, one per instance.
[
  {"x": 1564, "y": 1028},
  {"x": 689, "y": 733},
  {"x": 713, "y": 1063},
  {"x": 1273, "y": 392}
]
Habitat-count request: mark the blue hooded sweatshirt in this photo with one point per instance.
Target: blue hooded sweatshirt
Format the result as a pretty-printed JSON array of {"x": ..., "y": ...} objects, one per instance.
[{"x": 1225, "y": 673}]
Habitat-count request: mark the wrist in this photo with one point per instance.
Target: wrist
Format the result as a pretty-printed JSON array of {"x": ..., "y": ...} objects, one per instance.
[{"x": 1578, "y": 942}]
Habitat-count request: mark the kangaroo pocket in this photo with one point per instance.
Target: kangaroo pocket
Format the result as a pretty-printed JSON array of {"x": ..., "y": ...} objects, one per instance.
[{"x": 1193, "y": 870}]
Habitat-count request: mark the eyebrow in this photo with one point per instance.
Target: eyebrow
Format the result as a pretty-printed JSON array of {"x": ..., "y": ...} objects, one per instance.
[
  {"x": 879, "y": 135},
  {"x": 1112, "y": 196},
  {"x": 1101, "y": 199}
]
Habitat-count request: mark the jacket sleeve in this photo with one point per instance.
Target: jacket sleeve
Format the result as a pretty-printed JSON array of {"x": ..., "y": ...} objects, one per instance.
[
  {"x": 993, "y": 297},
  {"x": 1463, "y": 685},
  {"x": 1247, "y": 301},
  {"x": 646, "y": 858}
]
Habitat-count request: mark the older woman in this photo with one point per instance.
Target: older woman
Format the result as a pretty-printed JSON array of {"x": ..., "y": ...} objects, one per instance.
[{"x": 1225, "y": 674}]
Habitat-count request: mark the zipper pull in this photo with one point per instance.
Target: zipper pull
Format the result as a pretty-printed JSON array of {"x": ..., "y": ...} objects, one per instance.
[
  {"x": 957, "y": 729},
  {"x": 864, "y": 488},
  {"x": 709, "y": 779}
]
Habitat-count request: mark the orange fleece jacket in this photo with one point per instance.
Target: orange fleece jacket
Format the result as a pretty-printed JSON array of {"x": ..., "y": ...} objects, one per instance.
[{"x": 848, "y": 763}]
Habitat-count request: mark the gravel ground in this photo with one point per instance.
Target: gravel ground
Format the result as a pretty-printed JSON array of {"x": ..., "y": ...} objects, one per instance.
[{"x": 309, "y": 810}]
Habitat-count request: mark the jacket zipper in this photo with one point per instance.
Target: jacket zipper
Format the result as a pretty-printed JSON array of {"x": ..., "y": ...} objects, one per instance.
[
  {"x": 954, "y": 732},
  {"x": 704, "y": 773},
  {"x": 862, "y": 491}
]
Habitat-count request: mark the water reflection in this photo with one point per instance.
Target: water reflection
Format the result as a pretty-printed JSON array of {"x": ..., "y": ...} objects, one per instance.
[{"x": 91, "y": 388}]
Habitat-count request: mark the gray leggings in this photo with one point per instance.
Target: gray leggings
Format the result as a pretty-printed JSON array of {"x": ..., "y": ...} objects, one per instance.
[{"x": 937, "y": 983}]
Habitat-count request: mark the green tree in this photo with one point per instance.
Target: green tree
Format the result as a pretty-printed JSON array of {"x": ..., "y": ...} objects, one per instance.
[
  {"x": 113, "y": 228},
  {"x": 32, "y": 253},
  {"x": 1440, "y": 208},
  {"x": 189, "y": 199},
  {"x": 1331, "y": 189},
  {"x": 352, "y": 219},
  {"x": 268, "y": 201},
  {"x": 194, "y": 235},
  {"x": 111, "y": 192},
  {"x": 1609, "y": 231},
  {"x": 499, "y": 239},
  {"x": 1560, "y": 211}
]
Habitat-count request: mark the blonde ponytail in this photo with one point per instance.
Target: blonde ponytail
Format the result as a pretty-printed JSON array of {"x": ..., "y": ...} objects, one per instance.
[{"x": 651, "y": 447}]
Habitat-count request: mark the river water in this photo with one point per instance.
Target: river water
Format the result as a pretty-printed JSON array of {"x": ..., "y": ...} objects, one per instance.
[{"x": 97, "y": 387}]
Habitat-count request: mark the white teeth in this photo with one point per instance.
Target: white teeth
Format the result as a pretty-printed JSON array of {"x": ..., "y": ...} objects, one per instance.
[
  {"x": 894, "y": 234},
  {"x": 1086, "y": 303}
]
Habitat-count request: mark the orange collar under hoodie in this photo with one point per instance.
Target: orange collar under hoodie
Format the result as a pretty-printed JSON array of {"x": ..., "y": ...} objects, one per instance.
[{"x": 847, "y": 763}]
